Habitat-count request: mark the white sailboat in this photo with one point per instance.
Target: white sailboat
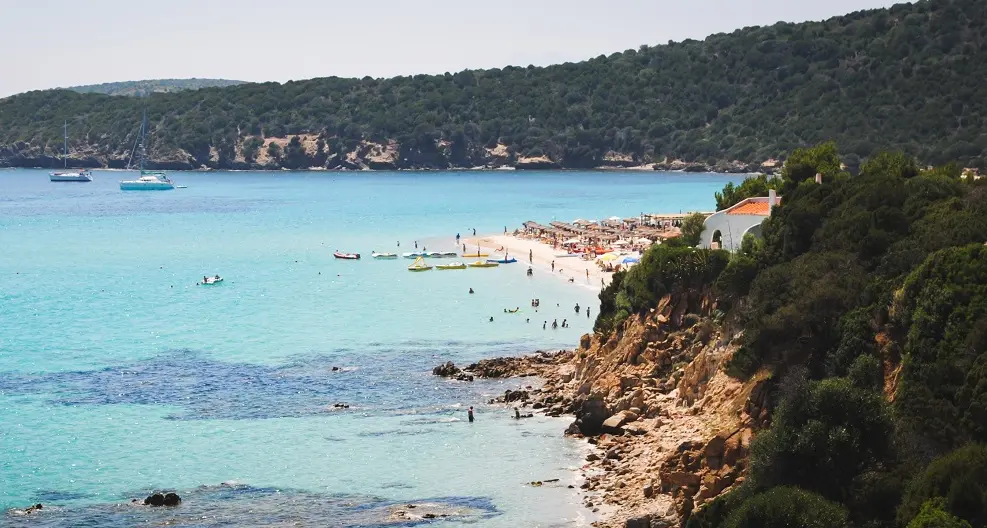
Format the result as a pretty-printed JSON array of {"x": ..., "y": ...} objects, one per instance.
[
  {"x": 148, "y": 180},
  {"x": 67, "y": 175}
]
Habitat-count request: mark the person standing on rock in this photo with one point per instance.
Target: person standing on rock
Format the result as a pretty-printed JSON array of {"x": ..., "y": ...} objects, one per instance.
[{"x": 469, "y": 414}]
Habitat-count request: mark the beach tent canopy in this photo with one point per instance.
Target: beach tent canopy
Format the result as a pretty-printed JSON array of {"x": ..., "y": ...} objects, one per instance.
[
  {"x": 615, "y": 219},
  {"x": 572, "y": 241},
  {"x": 621, "y": 243},
  {"x": 580, "y": 221}
]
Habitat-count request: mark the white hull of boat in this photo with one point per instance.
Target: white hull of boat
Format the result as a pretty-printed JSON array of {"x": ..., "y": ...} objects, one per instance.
[
  {"x": 70, "y": 177},
  {"x": 145, "y": 186}
]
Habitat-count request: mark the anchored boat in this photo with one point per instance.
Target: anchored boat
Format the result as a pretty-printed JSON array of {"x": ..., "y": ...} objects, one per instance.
[
  {"x": 346, "y": 256},
  {"x": 384, "y": 255},
  {"x": 67, "y": 175},
  {"x": 482, "y": 264},
  {"x": 148, "y": 180},
  {"x": 451, "y": 266}
]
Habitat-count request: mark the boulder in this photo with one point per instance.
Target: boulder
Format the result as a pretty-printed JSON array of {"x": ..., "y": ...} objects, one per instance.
[
  {"x": 516, "y": 395},
  {"x": 591, "y": 415},
  {"x": 641, "y": 521},
  {"x": 155, "y": 499},
  {"x": 649, "y": 490},
  {"x": 172, "y": 499},
  {"x": 617, "y": 421},
  {"x": 449, "y": 369}
]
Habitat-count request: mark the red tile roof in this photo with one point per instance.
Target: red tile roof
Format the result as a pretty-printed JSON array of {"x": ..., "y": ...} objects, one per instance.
[{"x": 751, "y": 208}]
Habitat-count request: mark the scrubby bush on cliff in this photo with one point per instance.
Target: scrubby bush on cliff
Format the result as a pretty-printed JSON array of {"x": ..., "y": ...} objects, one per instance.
[
  {"x": 787, "y": 507},
  {"x": 824, "y": 434},
  {"x": 669, "y": 268},
  {"x": 934, "y": 515},
  {"x": 942, "y": 308},
  {"x": 959, "y": 479}
]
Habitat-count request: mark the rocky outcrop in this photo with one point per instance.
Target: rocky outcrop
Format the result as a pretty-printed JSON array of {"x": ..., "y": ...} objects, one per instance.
[
  {"x": 321, "y": 151},
  {"x": 672, "y": 430},
  {"x": 162, "y": 499}
]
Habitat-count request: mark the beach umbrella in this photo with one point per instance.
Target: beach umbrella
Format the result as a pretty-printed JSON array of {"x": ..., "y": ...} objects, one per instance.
[
  {"x": 608, "y": 257},
  {"x": 572, "y": 241},
  {"x": 579, "y": 221},
  {"x": 630, "y": 260}
]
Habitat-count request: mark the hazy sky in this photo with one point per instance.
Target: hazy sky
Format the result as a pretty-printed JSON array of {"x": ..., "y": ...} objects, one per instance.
[{"x": 51, "y": 43}]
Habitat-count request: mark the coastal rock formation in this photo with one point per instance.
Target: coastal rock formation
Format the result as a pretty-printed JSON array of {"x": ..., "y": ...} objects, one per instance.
[
  {"x": 311, "y": 151},
  {"x": 162, "y": 499},
  {"x": 446, "y": 370},
  {"x": 672, "y": 430}
]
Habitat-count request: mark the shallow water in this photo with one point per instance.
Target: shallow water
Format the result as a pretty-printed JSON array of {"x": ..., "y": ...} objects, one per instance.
[{"x": 119, "y": 375}]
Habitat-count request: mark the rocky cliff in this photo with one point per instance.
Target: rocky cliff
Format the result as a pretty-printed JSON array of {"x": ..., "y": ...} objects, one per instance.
[
  {"x": 317, "y": 152},
  {"x": 672, "y": 430}
]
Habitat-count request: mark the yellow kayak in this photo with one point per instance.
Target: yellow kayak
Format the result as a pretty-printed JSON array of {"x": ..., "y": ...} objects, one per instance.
[
  {"x": 476, "y": 255},
  {"x": 482, "y": 264}
]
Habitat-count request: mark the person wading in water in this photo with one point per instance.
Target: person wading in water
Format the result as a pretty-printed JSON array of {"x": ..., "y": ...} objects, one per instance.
[{"x": 470, "y": 414}]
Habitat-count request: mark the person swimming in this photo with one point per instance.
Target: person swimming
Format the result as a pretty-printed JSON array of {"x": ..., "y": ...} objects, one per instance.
[{"x": 471, "y": 290}]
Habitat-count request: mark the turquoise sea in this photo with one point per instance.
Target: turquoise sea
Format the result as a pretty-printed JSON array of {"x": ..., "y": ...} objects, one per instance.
[{"x": 119, "y": 375}]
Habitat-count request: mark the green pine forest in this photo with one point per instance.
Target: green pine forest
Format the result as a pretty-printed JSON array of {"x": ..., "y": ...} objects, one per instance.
[
  {"x": 865, "y": 306},
  {"x": 907, "y": 78}
]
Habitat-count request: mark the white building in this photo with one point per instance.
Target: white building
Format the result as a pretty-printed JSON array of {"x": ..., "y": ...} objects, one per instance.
[{"x": 726, "y": 229}]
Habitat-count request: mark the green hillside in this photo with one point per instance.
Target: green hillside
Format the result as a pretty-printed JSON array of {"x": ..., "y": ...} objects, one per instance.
[
  {"x": 150, "y": 86},
  {"x": 909, "y": 77},
  {"x": 863, "y": 310}
]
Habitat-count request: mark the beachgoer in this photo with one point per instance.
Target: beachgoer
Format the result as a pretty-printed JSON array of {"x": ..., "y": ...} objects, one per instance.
[
  {"x": 505, "y": 230},
  {"x": 474, "y": 231},
  {"x": 416, "y": 244},
  {"x": 517, "y": 414},
  {"x": 555, "y": 324},
  {"x": 505, "y": 310},
  {"x": 217, "y": 277},
  {"x": 471, "y": 290},
  {"x": 491, "y": 318},
  {"x": 530, "y": 273},
  {"x": 553, "y": 265},
  {"x": 577, "y": 307},
  {"x": 563, "y": 323},
  {"x": 527, "y": 320},
  {"x": 457, "y": 238},
  {"x": 470, "y": 414},
  {"x": 204, "y": 278},
  {"x": 587, "y": 273},
  {"x": 543, "y": 325},
  {"x": 587, "y": 312},
  {"x": 464, "y": 248},
  {"x": 531, "y": 256}
]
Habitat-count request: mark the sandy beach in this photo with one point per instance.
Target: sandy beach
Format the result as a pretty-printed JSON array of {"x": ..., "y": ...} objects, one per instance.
[{"x": 542, "y": 256}]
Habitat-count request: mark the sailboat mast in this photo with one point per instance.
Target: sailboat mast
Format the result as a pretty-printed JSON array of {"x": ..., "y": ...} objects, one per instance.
[
  {"x": 143, "y": 138},
  {"x": 65, "y": 144}
]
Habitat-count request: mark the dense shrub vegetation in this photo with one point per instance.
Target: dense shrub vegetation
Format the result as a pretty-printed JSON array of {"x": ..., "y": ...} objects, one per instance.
[
  {"x": 909, "y": 78},
  {"x": 150, "y": 86},
  {"x": 866, "y": 301}
]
